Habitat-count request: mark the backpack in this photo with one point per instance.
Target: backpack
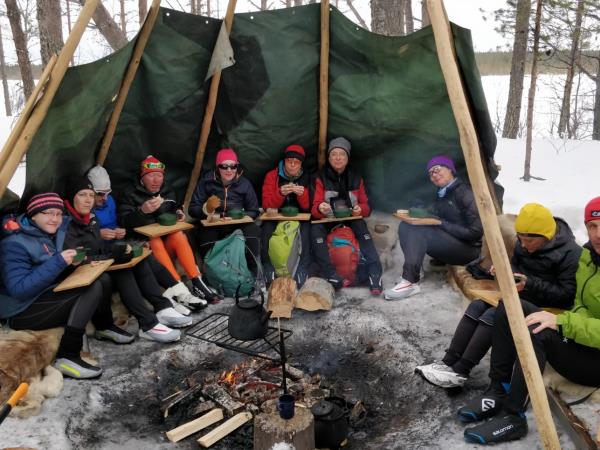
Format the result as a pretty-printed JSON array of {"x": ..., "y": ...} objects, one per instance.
[
  {"x": 285, "y": 248},
  {"x": 226, "y": 268},
  {"x": 344, "y": 251}
]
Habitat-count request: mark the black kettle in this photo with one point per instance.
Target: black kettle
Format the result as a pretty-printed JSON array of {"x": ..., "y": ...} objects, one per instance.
[
  {"x": 331, "y": 422},
  {"x": 248, "y": 319}
]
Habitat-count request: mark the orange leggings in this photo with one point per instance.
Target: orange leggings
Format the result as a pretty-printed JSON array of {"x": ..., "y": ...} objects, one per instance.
[{"x": 175, "y": 244}]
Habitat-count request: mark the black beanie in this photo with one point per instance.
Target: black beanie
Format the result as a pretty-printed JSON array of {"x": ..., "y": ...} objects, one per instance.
[{"x": 76, "y": 184}]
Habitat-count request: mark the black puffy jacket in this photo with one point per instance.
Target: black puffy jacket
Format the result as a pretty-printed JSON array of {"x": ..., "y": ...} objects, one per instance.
[
  {"x": 130, "y": 214},
  {"x": 550, "y": 270},
  {"x": 459, "y": 214},
  {"x": 87, "y": 235}
]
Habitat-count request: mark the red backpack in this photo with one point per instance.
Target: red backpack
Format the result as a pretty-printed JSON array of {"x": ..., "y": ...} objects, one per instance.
[{"x": 344, "y": 251}]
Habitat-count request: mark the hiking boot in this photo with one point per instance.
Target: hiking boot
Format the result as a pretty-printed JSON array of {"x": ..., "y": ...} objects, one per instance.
[
  {"x": 509, "y": 427},
  {"x": 487, "y": 405},
  {"x": 160, "y": 333},
  {"x": 182, "y": 299},
  {"x": 402, "y": 290},
  {"x": 375, "y": 285},
  {"x": 172, "y": 318},
  {"x": 77, "y": 368},
  {"x": 202, "y": 290},
  {"x": 114, "y": 334},
  {"x": 336, "y": 281},
  {"x": 439, "y": 374}
]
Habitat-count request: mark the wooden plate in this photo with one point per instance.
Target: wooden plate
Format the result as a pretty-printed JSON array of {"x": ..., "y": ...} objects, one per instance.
[
  {"x": 84, "y": 275},
  {"x": 145, "y": 253},
  {"x": 299, "y": 216},
  {"x": 336, "y": 219},
  {"x": 155, "y": 229},
  {"x": 222, "y": 222},
  {"x": 404, "y": 217}
]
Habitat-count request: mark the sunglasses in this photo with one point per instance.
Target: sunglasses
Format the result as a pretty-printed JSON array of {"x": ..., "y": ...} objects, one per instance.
[
  {"x": 228, "y": 166},
  {"x": 103, "y": 194},
  {"x": 153, "y": 165}
]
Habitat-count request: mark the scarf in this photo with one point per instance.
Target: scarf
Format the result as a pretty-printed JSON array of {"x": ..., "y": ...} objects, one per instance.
[
  {"x": 285, "y": 176},
  {"x": 84, "y": 219},
  {"x": 442, "y": 191}
]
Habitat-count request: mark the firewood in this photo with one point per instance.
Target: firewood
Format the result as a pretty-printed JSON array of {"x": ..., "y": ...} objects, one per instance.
[
  {"x": 295, "y": 374},
  {"x": 299, "y": 431},
  {"x": 222, "y": 398},
  {"x": 281, "y": 297},
  {"x": 224, "y": 429},
  {"x": 183, "y": 431},
  {"x": 176, "y": 398},
  {"x": 202, "y": 407},
  {"x": 316, "y": 294}
]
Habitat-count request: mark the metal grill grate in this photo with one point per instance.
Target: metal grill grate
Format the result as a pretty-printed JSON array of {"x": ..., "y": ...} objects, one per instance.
[{"x": 213, "y": 329}]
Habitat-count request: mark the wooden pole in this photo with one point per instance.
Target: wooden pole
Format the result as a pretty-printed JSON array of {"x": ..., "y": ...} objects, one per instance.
[
  {"x": 208, "y": 115},
  {"x": 470, "y": 146},
  {"x": 324, "y": 81},
  {"x": 41, "y": 109},
  {"x": 136, "y": 58},
  {"x": 26, "y": 112}
]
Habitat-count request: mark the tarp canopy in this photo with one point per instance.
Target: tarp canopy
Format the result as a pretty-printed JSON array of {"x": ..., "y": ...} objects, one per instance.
[{"x": 386, "y": 95}]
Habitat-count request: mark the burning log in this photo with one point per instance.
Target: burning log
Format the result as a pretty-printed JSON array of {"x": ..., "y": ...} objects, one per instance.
[
  {"x": 270, "y": 429},
  {"x": 224, "y": 429},
  {"x": 316, "y": 294},
  {"x": 281, "y": 297},
  {"x": 183, "y": 431},
  {"x": 176, "y": 398},
  {"x": 221, "y": 397}
]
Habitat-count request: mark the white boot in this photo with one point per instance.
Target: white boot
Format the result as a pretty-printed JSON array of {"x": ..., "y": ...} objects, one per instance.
[{"x": 181, "y": 298}]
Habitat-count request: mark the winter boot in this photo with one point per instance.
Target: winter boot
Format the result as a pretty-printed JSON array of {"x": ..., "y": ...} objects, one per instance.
[
  {"x": 68, "y": 360},
  {"x": 183, "y": 300},
  {"x": 202, "y": 290},
  {"x": 485, "y": 406},
  {"x": 504, "y": 428}
]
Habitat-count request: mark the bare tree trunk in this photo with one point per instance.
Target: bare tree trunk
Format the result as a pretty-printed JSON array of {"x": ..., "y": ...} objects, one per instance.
[
  {"x": 297, "y": 2},
  {"x": 408, "y": 15},
  {"x": 596, "y": 129},
  {"x": 565, "y": 110},
  {"x": 517, "y": 70},
  {"x": 50, "y": 28},
  {"x": 531, "y": 99},
  {"x": 69, "y": 26},
  {"x": 143, "y": 10},
  {"x": 357, "y": 14},
  {"x": 14, "y": 16},
  {"x": 123, "y": 17},
  {"x": 4, "y": 80},
  {"x": 208, "y": 11},
  {"x": 193, "y": 7},
  {"x": 107, "y": 27},
  {"x": 288, "y": 3},
  {"x": 424, "y": 15},
  {"x": 387, "y": 17},
  {"x": 264, "y": 5}
]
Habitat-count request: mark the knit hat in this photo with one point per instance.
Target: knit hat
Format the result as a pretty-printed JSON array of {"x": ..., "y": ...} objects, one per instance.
[
  {"x": 535, "y": 219},
  {"x": 226, "y": 154},
  {"x": 441, "y": 160},
  {"x": 294, "y": 151},
  {"x": 592, "y": 210},
  {"x": 42, "y": 202},
  {"x": 99, "y": 178},
  {"x": 151, "y": 164},
  {"x": 76, "y": 184},
  {"x": 340, "y": 142}
]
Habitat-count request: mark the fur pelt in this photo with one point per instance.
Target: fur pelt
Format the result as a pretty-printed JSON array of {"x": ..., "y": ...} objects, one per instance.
[
  {"x": 509, "y": 236},
  {"x": 46, "y": 384},
  {"x": 385, "y": 238}
]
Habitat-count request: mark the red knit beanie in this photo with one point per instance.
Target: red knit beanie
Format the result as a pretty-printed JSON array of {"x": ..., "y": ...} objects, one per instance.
[
  {"x": 295, "y": 151},
  {"x": 592, "y": 210},
  {"x": 151, "y": 164},
  {"x": 226, "y": 154}
]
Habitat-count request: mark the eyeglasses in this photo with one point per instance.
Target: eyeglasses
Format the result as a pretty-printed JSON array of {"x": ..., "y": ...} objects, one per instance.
[
  {"x": 435, "y": 170},
  {"x": 153, "y": 165},
  {"x": 228, "y": 166},
  {"x": 52, "y": 214},
  {"x": 103, "y": 194}
]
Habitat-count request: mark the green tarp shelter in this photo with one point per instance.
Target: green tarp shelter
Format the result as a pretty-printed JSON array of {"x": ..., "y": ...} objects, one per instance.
[{"x": 386, "y": 95}]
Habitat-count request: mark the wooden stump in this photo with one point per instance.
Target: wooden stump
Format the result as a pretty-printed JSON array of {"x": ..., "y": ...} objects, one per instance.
[
  {"x": 281, "y": 297},
  {"x": 269, "y": 429},
  {"x": 316, "y": 294}
]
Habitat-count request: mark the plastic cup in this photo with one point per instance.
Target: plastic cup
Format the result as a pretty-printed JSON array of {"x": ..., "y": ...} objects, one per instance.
[{"x": 286, "y": 406}]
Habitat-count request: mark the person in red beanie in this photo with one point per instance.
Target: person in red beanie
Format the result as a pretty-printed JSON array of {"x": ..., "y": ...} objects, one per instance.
[
  {"x": 234, "y": 192},
  {"x": 287, "y": 185},
  {"x": 142, "y": 204}
]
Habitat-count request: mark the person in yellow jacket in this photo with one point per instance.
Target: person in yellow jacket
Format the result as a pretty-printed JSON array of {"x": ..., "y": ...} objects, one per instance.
[{"x": 569, "y": 341}]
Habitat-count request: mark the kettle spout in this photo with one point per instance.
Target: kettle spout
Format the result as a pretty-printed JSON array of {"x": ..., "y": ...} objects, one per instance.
[{"x": 265, "y": 317}]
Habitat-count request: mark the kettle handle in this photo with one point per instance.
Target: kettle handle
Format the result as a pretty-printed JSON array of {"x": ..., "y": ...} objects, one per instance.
[
  {"x": 262, "y": 298},
  {"x": 237, "y": 294}
]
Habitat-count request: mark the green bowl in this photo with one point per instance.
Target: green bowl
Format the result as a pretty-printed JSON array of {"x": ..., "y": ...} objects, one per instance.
[
  {"x": 236, "y": 214},
  {"x": 136, "y": 251},
  {"x": 418, "y": 213},
  {"x": 167, "y": 219},
  {"x": 289, "y": 211},
  {"x": 341, "y": 213}
]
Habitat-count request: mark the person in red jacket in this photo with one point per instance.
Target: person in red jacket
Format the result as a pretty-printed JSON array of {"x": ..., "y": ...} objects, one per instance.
[
  {"x": 287, "y": 185},
  {"x": 337, "y": 186}
]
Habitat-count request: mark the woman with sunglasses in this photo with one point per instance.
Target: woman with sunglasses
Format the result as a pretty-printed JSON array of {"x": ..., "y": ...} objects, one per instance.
[
  {"x": 456, "y": 241},
  {"x": 142, "y": 204},
  {"x": 234, "y": 191},
  {"x": 33, "y": 260}
]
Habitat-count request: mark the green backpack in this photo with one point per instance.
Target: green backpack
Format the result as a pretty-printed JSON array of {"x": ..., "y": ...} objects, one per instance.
[
  {"x": 226, "y": 268},
  {"x": 285, "y": 248}
]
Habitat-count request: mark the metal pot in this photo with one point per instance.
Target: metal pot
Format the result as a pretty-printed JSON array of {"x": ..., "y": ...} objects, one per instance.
[
  {"x": 248, "y": 319},
  {"x": 331, "y": 422}
]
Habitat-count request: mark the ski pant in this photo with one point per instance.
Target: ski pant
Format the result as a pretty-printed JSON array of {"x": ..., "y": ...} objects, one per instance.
[
  {"x": 268, "y": 227},
  {"x": 165, "y": 248},
  {"x": 576, "y": 362},
  {"x": 420, "y": 240}
]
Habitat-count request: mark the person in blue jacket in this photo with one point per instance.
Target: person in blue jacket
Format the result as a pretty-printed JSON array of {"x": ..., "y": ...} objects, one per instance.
[{"x": 32, "y": 262}]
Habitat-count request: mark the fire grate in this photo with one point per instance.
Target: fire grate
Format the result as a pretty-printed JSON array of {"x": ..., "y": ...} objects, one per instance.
[{"x": 213, "y": 329}]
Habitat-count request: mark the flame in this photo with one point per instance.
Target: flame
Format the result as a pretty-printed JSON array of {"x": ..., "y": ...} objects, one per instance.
[{"x": 237, "y": 373}]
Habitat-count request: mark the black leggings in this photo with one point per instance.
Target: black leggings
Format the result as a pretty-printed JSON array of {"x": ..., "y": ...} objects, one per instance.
[
  {"x": 577, "y": 363},
  {"x": 73, "y": 308},
  {"x": 162, "y": 275}
]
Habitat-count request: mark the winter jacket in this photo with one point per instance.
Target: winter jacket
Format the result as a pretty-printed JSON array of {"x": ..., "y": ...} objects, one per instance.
[
  {"x": 582, "y": 323},
  {"x": 30, "y": 264},
  {"x": 106, "y": 215},
  {"x": 458, "y": 212},
  {"x": 550, "y": 270},
  {"x": 88, "y": 236},
  {"x": 130, "y": 214},
  {"x": 348, "y": 186},
  {"x": 271, "y": 195},
  {"x": 237, "y": 195}
]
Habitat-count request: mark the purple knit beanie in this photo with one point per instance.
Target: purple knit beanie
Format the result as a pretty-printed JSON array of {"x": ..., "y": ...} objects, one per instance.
[{"x": 441, "y": 160}]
